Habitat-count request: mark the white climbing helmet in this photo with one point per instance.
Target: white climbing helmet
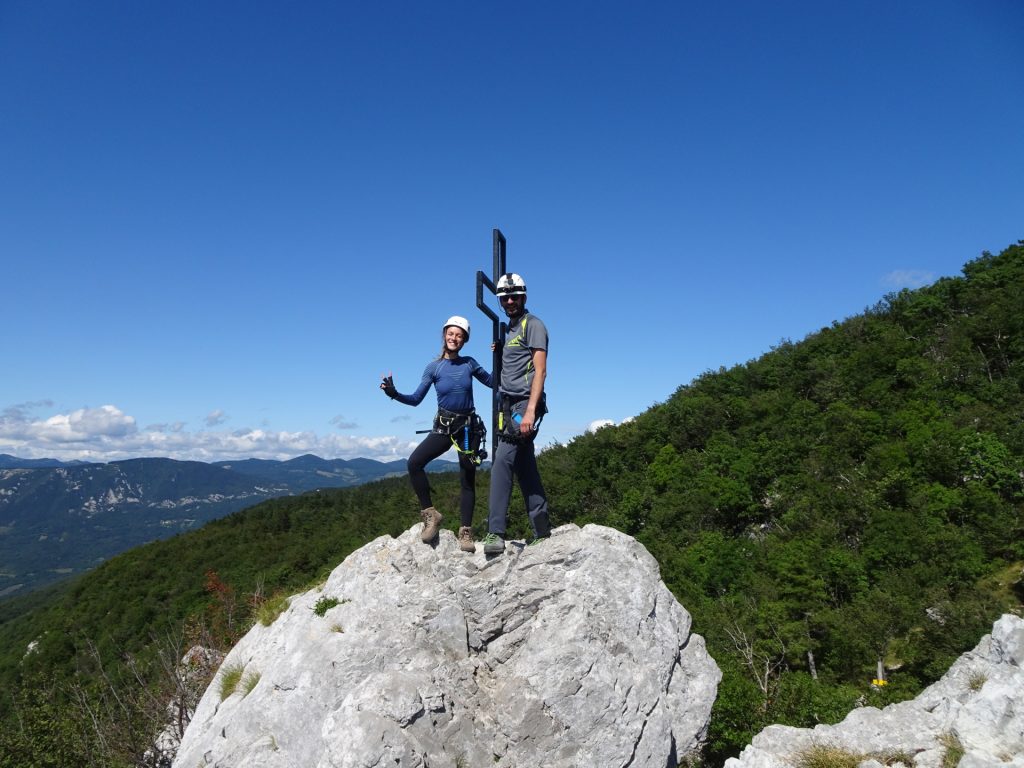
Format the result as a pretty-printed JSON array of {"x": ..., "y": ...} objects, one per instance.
[
  {"x": 459, "y": 322},
  {"x": 510, "y": 284}
]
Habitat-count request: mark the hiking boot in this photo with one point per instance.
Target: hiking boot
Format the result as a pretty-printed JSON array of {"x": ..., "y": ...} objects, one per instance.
[
  {"x": 538, "y": 540},
  {"x": 466, "y": 539},
  {"x": 431, "y": 524},
  {"x": 494, "y": 544}
]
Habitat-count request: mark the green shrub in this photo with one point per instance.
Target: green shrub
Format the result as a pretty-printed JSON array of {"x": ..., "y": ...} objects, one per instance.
[{"x": 324, "y": 604}]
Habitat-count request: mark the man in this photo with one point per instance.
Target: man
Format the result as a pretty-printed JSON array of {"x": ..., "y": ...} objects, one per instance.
[{"x": 521, "y": 397}]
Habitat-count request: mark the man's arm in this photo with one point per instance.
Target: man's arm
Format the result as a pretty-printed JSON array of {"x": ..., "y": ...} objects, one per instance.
[{"x": 540, "y": 372}]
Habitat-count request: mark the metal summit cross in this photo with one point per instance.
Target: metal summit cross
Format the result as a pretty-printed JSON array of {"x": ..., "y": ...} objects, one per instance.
[{"x": 498, "y": 326}]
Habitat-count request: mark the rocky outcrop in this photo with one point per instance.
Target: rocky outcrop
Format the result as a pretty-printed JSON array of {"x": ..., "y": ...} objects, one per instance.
[
  {"x": 973, "y": 716},
  {"x": 571, "y": 652}
]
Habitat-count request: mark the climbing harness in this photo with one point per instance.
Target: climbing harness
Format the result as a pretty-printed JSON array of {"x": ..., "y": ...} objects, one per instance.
[
  {"x": 467, "y": 431},
  {"x": 510, "y": 415},
  {"x": 471, "y": 440}
]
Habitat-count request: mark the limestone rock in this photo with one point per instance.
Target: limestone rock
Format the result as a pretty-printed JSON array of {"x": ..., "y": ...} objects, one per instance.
[
  {"x": 568, "y": 653},
  {"x": 977, "y": 706}
]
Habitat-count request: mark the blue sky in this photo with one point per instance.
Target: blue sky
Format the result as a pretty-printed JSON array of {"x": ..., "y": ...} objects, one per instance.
[{"x": 220, "y": 223}]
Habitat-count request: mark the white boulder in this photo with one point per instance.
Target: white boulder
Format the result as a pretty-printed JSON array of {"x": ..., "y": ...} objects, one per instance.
[{"x": 568, "y": 653}]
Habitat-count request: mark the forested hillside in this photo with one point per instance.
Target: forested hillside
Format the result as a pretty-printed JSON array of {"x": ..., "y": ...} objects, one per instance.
[
  {"x": 850, "y": 500},
  {"x": 58, "y": 519}
]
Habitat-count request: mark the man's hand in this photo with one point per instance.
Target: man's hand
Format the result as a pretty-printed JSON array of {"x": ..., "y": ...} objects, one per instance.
[
  {"x": 387, "y": 384},
  {"x": 527, "y": 424}
]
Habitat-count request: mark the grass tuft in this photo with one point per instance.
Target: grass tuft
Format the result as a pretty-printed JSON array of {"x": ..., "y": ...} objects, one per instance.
[
  {"x": 229, "y": 678},
  {"x": 249, "y": 682},
  {"x": 954, "y": 750},
  {"x": 977, "y": 680},
  {"x": 896, "y": 757},
  {"x": 822, "y": 756},
  {"x": 271, "y": 608}
]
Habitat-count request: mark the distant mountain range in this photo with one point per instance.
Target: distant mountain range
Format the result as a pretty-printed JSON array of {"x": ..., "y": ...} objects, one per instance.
[
  {"x": 13, "y": 462},
  {"x": 61, "y": 518}
]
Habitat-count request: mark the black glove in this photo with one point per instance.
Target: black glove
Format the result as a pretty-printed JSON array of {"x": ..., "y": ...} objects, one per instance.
[{"x": 388, "y": 385}]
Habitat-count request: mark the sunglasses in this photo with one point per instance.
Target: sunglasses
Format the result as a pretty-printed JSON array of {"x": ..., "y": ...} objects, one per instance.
[{"x": 509, "y": 297}]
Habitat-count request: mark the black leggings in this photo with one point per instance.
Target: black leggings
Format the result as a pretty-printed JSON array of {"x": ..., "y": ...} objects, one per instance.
[{"x": 432, "y": 447}]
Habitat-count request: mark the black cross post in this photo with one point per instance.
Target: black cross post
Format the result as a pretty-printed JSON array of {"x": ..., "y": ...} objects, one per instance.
[{"x": 499, "y": 327}]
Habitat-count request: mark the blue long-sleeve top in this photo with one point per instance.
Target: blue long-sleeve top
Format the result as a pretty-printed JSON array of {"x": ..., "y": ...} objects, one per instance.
[{"x": 453, "y": 382}]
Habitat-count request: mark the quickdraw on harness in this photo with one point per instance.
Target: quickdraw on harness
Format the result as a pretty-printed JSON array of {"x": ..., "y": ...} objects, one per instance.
[{"x": 467, "y": 431}]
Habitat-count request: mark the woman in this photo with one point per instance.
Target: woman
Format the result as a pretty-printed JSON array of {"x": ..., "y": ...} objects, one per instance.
[{"x": 452, "y": 376}]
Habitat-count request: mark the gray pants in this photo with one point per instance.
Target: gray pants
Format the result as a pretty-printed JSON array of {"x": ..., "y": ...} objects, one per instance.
[{"x": 520, "y": 459}]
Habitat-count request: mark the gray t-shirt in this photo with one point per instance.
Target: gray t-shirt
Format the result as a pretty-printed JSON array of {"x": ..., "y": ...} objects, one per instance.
[{"x": 526, "y": 335}]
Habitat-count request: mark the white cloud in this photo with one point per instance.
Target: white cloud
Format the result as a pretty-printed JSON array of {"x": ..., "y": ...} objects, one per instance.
[
  {"x": 213, "y": 418},
  {"x": 597, "y": 424},
  {"x": 20, "y": 411},
  {"x": 176, "y": 426},
  {"x": 84, "y": 425},
  {"x": 908, "y": 278},
  {"x": 340, "y": 423},
  {"x": 108, "y": 434}
]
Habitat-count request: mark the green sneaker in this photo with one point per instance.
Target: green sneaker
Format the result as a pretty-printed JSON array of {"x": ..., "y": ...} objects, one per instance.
[
  {"x": 493, "y": 544},
  {"x": 538, "y": 540}
]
